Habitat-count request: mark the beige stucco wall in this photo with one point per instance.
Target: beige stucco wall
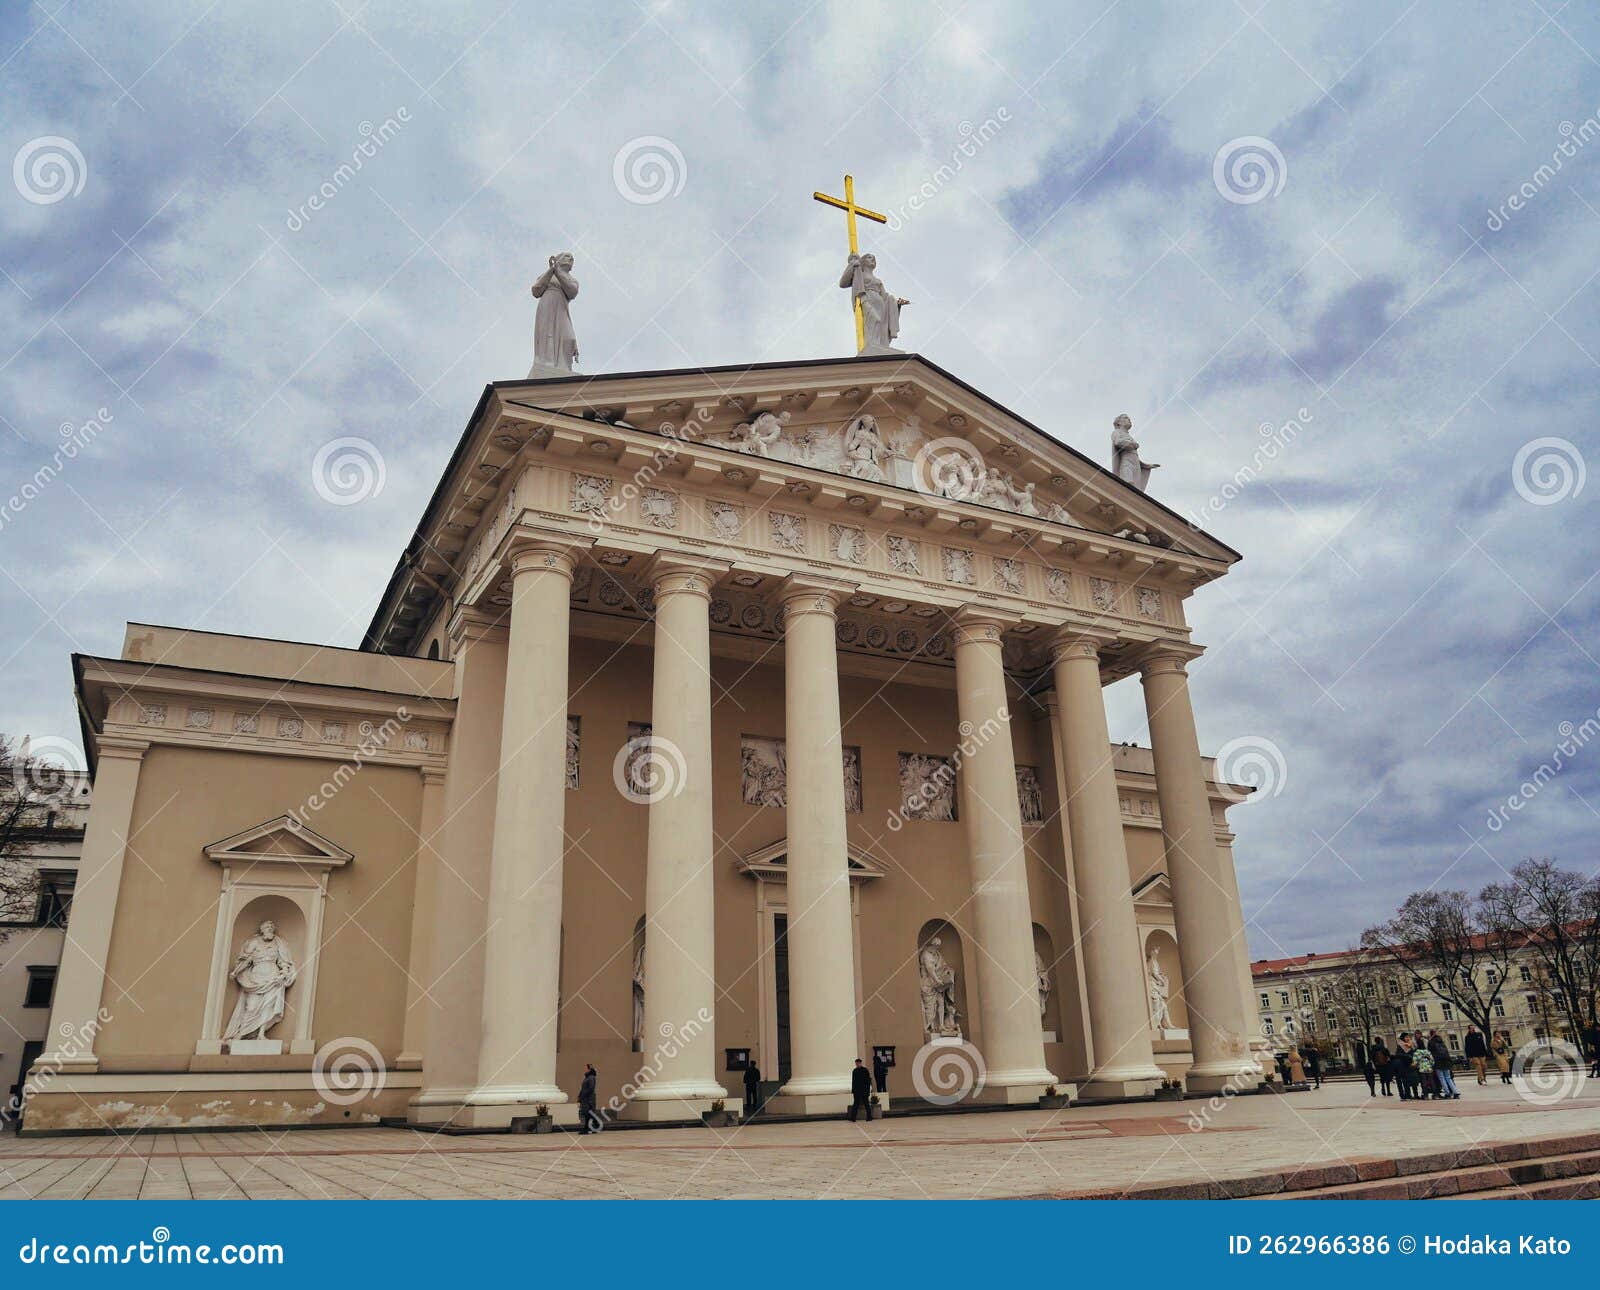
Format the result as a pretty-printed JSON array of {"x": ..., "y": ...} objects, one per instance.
[{"x": 161, "y": 943}]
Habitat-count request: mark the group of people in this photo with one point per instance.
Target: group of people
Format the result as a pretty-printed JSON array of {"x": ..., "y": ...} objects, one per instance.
[{"x": 1420, "y": 1068}]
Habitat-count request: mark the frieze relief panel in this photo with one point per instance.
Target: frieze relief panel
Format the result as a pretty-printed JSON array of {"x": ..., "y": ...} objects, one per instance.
[{"x": 764, "y": 768}]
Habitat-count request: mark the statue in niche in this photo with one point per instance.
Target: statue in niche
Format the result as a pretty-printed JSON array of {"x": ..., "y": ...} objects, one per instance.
[
  {"x": 1041, "y": 971},
  {"x": 864, "y": 449},
  {"x": 937, "y": 980},
  {"x": 555, "y": 344},
  {"x": 264, "y": 970},
  {"x": 1126, "y": 464},
  {"x": 880, "y": 312},
  {"x": 638, "y": 997},
  {"x": 1160, "y": 996}
]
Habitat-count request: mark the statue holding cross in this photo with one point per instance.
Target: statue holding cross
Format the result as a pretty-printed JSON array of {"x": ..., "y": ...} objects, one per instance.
[{"x": 877, "y": 312}]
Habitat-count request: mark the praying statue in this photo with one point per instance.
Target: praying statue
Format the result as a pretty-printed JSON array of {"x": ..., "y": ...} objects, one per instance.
[
  {"x": 1125, "y": 462},
  {"x": 555, "y": 345},
  {"x": 1041, "y": 973},
  {"x": 937, "y": 981},
  {"x": 1160, "y": 996},
  {"x": 880, "y": 312},
  {"x": 263, "y": 971},
  {"x": 638, "y": 997}
]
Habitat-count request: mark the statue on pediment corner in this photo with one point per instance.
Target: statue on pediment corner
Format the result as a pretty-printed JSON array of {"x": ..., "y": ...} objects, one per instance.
[{"x": 1126, "y": 463}]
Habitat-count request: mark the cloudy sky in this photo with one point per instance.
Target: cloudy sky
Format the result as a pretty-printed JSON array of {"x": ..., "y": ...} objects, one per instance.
[{"x": 1351, "y": 249}]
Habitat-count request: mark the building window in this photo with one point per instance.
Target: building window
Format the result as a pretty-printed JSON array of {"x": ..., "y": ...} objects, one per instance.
[
  {"x": 1532, "y": 1001},
  {"x": 1491, "y": 975},
  {"x": 1283, "y": 998},
  {"x": 1422, "y": 1012},
  {"x": 1525, "y": 972},
  {"x": 1370, "y": 990},
  {"x": 1445, "y": 1012},
  {"x": 1394, "y": 989},
  {"x": 1455, "y": 1042},
  {"x": 41, "y": 987},
  {"x": 1266, "y": 999},
  {"x": 1499, "y": 1007},
  {"x": 1305, "y": 994}
]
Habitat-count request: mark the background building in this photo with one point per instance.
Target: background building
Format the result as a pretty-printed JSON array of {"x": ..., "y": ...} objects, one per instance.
[
  {"x": 1339, "y": 1000},
  {"x": 34, "y": 928}
]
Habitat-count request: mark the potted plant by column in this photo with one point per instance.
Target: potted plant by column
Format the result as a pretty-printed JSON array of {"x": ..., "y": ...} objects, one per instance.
[
  {"x": 1051, "y": 1099},
  {"x": 543, "y": 1122},
  {"x": 717, "y": 1117},
  {"x": 874, "y": 1107},
  {"x": 1170, "y": 1090}
]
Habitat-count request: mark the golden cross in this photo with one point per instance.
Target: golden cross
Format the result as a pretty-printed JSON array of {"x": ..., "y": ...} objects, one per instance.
[{"x": 851, "y": 210}]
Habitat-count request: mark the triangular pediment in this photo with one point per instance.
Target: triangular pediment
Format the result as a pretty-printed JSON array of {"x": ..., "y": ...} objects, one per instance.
[
  {"x": 283, "y": 840},
  {"x": 771, "y": 862},
  {"x": 1154, "y": 889},
  {"x": 878, "y": 435}
]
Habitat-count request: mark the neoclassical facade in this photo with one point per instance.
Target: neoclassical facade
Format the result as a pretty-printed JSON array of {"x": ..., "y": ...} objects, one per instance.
[{"x": 699, "y": 705}]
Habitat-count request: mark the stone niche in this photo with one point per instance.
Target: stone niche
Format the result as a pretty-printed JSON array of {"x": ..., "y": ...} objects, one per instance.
[{"x": 277, "y": 870}]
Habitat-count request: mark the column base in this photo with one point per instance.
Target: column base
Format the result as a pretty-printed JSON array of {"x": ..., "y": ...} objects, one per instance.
[
  {"x": 1097, "y": 1087},
  {"x": 833, "y": 1105},
  {"x": 1020, "y": 1094},
  {"x": 656, "y": 1109},
  {"x": 1217, "y": 1077}
]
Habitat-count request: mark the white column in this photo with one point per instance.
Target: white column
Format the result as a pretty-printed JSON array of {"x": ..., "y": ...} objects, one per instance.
[
  {"x": 1119, "y": 1005},
  {"x": 1008, "y": 989},
  {"x": 522, "y": 941},
  {"x": 1202, "y": 900},
  {"x": 75, "y": 1021},
  {"x": 680, "y": 995},
  {"x": 459, "y": 913},
  {"x": 822, "y": 993}
]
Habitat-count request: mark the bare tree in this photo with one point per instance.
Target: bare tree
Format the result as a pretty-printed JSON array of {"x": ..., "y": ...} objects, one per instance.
[
  {"x": 1555, "y": 913},
  {"x": 29, "y": 786},
  {"x": 1354, "y": 993},
  {"x": 1451, "y": 945}
]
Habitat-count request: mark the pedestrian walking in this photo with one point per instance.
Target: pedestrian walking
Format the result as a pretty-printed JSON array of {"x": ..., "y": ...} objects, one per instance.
[
  {"x": 860, "y": 1090},
  {"x": 1502, "y": 1056},
  {"x": 1314, "y": 1064},
  {"x": 588, "y": 1121},
  {"x": 1478, "y": 1054},
  {"x": 1371, "y": 1072},
  {"x": 1400, "y": 1060}
]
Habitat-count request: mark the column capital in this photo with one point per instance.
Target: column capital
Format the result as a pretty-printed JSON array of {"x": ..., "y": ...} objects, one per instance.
[
  {"x": 1078, "y": 642},
  {"x": 115, "y": 746},
  {"x": 979, "y": 625},
  {"x": 546, "y": 554},
  {"x": 802, "y": 593},
  {"x": 670, "y": 573},
  {"x": 1167, "y": 658}
]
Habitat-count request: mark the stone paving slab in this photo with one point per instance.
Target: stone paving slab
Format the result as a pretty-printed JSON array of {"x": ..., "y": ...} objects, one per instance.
[{"x": 1201, "y": 1147}]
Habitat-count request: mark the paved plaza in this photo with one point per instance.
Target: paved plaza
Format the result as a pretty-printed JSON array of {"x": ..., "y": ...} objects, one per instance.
[{"x": 1024, "y": 1153}]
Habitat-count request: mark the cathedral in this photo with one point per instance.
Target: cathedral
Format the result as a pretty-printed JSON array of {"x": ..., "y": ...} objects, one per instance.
[{"x": 711, "y": 719}]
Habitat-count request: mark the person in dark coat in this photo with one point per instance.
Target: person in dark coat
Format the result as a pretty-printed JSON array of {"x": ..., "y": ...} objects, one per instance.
[
  {"x": 1313, "y": 1064},
  {"x": 1371, "y": 1073},
  {"x": 880, "y": 1071},
  {"x": 587, "y": 1119},
  {"x": 752, "y": 1087},
  {"x": 1477, "y": 1052},
  {"x": 1593, "y": 1037},
  {"x": 1443, "y": 1064},
  {"x": 1380, "y": 1063},
  {"x": 860, "y": 1090},
  {"x": 1400, "y": 1060}
]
